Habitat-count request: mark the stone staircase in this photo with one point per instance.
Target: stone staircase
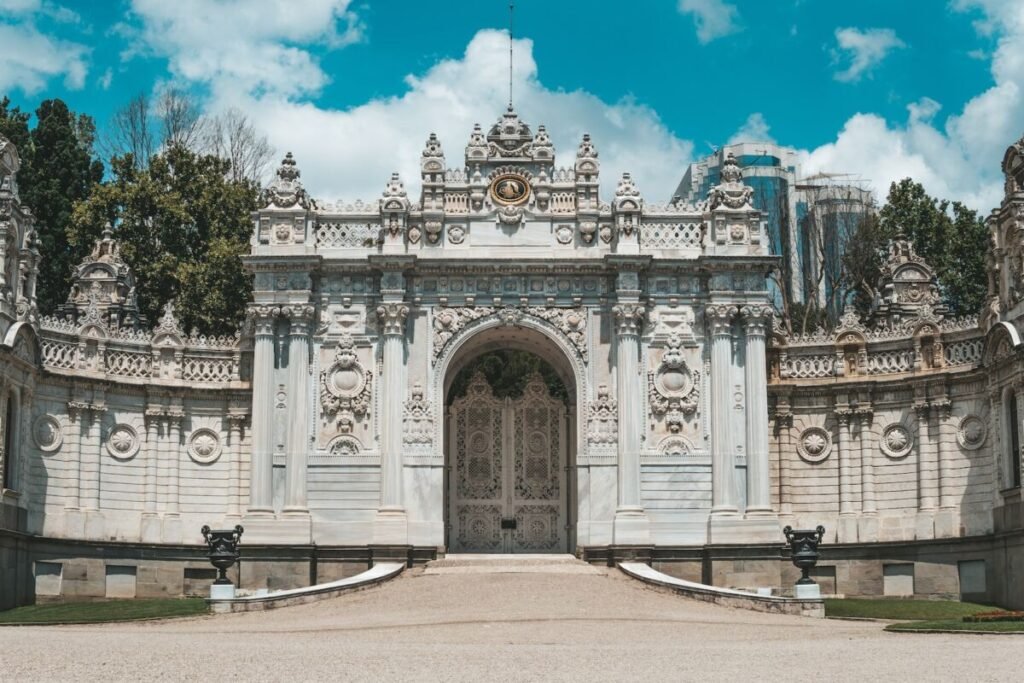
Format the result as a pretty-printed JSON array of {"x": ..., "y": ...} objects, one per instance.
[{"x": 463, "y": 563}]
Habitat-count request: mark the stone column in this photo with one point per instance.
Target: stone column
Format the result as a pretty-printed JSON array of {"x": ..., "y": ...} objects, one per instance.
[
  {"x": 261, "y": 472},
  {"x": 946, "y": 524},
  {"x": 392, "y": 316},
  {"x": 174, "y": 420},
  {"x": 867, "y": 463},
  {"x": 784, "y": 432},
  {"x": 297, "y": 450},
  {"x": 756, "y": 380},
  {"x": 94, "y": 445},
  {"x": 723, "y": 465},
  {"x": 152, "y": 420},
  {"x": 235, "y": 423},
  {"x": 846, "y": 531},
  {"x": 926, "y": 475},
  {"x": 631, "y": 525},
  {"x": 76, "y": 413}
]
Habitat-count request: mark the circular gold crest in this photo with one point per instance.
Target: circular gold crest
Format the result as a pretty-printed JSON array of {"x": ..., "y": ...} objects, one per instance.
[{"x": 509, "y": 190}]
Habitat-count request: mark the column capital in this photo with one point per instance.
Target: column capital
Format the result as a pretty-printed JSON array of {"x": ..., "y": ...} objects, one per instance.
[
  {"x": 943, "y": 407},
  {"x": 264, "y": 316},
  {"x": 783, "y": 419},
  {"x": 843, "y": 415},
  {"x": 628, "y": 318},
  {"x": 719, "y": 318},
  {"x": 755, "y": 318},
  {"x": 236, "y": 420},
  {"x": 392, "y": 316},
  {"x": 300, "y": 317},
  {"x": 921, "y": 409},
  {"x": 865, "y": 414}
]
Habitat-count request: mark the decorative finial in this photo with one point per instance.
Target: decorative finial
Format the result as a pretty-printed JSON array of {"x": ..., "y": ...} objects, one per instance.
[{"x": 511, "y": 17}]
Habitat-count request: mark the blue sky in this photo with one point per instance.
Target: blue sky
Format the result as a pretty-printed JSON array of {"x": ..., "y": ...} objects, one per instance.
[{"x": 928, "y": 88}]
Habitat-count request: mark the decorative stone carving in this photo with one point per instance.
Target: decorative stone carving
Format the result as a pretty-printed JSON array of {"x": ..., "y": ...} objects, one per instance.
[
  {"x": 628, "y": 318},
  {"x": 571, "y": 322},
  {"x": 509, "y": 189},
  {"x": 123, "y": 442},
  {"x": 731, "y": 193},
  {"x": 345, "y": 386},
  {"x": 587, "y": 231},
  {"x": 675, "y": 447},
  {"x": 971, "y": 433},
  {"x": 896, "y": 441},
  {"x": 510, "y": 215},
  {"x": 345, "y": 445},
  {"x": 563, "y": 234},
  {"x": 286, "y": 190},
  {"x": 603, "y": 419},
  {"x": 814, "y": 444},
  {"x": 433, "y": 229},
  {"x": 204, "y": 446},
  {"x": 419, "y": 417},
  {"x": 673, "y": 388},
  {"x": 457, "y": 234},
  {"x": 392, "y": 318},
  {"x": 47, "y": 434}
]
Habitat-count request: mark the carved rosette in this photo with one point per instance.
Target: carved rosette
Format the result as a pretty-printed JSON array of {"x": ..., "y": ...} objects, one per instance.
[
  {"x": 345, "y": 387},
  {"x": 123, "y": 442},
  {"x": 204, "y": 446},
  {"x": 603, "y": 419},
  {"x": 629, "y": 319},
  {"x": 814, "y": 444},
  {"x": 47, "y": 434},
  {"x": 896, "y": 441},
  {"x": 674, "y": 388},
  {"x": 971, "y": 433},
  {"x": 392, "y": 318}
]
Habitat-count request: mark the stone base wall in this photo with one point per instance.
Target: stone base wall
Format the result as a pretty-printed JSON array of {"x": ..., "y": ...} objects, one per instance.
[
  {"x": 15, "y": 562},
  {"x": 984, "y": 569}
]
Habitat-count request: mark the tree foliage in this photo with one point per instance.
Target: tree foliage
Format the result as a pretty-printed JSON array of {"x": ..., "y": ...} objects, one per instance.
[
  {"x": 183, "y": 226},
  {"x": 949, "y": 236},
  {"x": 58, "y": 170}
]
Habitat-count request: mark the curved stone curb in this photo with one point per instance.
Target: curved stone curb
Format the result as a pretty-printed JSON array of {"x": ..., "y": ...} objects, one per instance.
[
  {"x": 726, "y": 597},
  {"x": 299, "y": 596},
  {"x": 955, "y": 632}
]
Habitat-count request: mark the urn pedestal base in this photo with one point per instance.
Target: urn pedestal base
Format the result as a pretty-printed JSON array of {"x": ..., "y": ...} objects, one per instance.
[
  {"x": 222, "y": 591},
  {"x": 807, "y": 591}
]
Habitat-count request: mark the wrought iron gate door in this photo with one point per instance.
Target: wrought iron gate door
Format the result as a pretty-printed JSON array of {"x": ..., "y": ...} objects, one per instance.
[{"x": 507, "y": 486}]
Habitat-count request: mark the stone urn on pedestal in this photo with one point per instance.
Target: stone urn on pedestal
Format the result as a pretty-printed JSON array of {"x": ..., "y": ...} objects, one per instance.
[
  {"x": 803, "y": 544},
  {"x": 223, "y": 553}
]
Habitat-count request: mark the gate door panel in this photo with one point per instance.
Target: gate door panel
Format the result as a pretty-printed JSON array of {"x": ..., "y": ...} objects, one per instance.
[{"x": 507, "y": 485}]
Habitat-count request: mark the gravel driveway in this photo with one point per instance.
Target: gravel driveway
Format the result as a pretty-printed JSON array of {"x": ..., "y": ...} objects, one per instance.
[{"x": 485, "y": 627}]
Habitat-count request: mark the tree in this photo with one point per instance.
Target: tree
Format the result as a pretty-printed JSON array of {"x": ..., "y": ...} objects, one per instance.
[
  {"x": 130, "y": 132},
  {"x": 181, "y": 122},
  {"x": 232, "y": 136},
  {"x": 58, "y": 169},
  {"x": 951, "y": 237},
  {"x": 183, "y": 225}
]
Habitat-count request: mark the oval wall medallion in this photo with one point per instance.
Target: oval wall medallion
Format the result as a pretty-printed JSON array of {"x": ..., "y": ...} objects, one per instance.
[
  {"x": 204, "y": 446},
  {"x": 47, "y": 434},
  {"x": 896, "y": 441},
  {"x": 814, "y": 444},
  {"x": 123, "y": 442},
  {"x": 972, "y": 432}
]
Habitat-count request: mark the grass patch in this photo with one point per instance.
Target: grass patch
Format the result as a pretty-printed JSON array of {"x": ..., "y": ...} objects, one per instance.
[
  {"x": 105, "y": 611},
  {"x": 959, "y": 625},
  {"x": 903, "y": 609}
]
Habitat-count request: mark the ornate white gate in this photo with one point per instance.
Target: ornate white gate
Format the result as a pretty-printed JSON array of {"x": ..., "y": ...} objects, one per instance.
[{"x": 508, "y": 457}]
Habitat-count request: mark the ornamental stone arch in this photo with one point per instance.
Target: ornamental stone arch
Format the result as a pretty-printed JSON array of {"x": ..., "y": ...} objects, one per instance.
[
  {"x": 488, "y": 333},
  {"x": 22, "y": 340},
  {"x": 1000, "y": 343}
]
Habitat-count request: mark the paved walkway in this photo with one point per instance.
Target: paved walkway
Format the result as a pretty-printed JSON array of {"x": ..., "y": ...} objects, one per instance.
[{"x": 483, "y": 626}]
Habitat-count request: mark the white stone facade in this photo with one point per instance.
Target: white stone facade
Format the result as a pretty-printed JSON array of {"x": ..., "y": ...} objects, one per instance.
[{"x": 691, "y": 420}]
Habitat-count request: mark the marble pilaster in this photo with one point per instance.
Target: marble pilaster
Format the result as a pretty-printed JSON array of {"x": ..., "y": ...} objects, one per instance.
[
  {"x": 391, "y": 524},
  {"x": 631, "y": 525},
  {"x": 298, "y": 441},
  {"x": 755, "y": 319},
  {"x": 723, "y": 469},
  {"x": 261, "y": 473}
]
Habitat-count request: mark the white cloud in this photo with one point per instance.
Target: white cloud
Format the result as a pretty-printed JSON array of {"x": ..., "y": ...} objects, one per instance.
[
  {"x": 243, "y": 45},
  {"x": 105, "y": 80},
  {"x": 30, "y": 58},
  {"x": 958, "y": 159},
  {"x": 351, "y": 153},
  {"x": 863, "y": 49},
  {"x": 754, "y": 129},
  {"x": 712, "y": 18}
]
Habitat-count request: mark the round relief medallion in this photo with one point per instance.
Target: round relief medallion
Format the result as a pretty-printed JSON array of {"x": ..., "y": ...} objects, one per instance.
[
  {"x": 204, "y": 446},
  {"x": 972, "y": 432},
  {"x": 509, "y": 189},
  {"x": 47, "y": 433},
  {"x": 674, "y": 382},
  {"x": 123, "y": 442},
  {"x": 896, "y": 441},
  {"x": 814, "y": 444}
]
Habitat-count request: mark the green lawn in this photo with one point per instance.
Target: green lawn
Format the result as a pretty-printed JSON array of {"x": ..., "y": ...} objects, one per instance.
[
  {"x": 959, "y": 625},
  {"x": 902, "y": 609},
  {"x": 108, "y": 610}
]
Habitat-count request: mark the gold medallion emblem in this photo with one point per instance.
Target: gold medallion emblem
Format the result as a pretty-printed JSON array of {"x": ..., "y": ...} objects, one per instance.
[{"x": 509, "y": 190}]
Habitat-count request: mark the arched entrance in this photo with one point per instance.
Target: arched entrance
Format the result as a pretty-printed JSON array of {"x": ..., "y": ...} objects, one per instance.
[{"x": 510, "y": 445}]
